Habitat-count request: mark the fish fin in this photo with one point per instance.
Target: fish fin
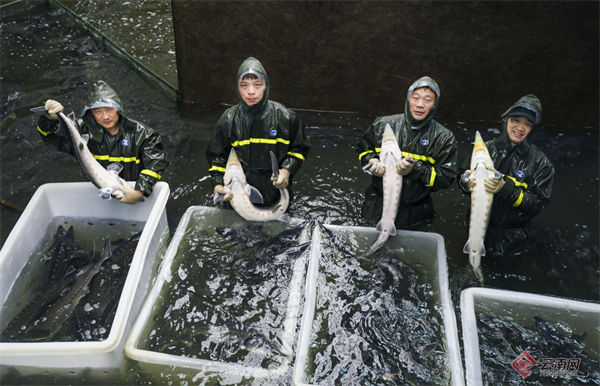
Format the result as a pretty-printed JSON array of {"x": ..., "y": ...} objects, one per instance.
[
  {"x": 106, "y": 251},
  {"x": 390, "y": 226},
  {"x": 274, "y": 165},
  {"x": 115, "y": 167},
  {"x": 85, "y": 138},
  {"x": 482, "y": 251},
  {"x": 254, "y": 194},
  {"x": 218, "y": 197},
  {"x": 106, "y": 194},
  {"x": 284, "y": 218},
  {"x": 39, "y": 110},
  {"x": 466, "y": 248}
]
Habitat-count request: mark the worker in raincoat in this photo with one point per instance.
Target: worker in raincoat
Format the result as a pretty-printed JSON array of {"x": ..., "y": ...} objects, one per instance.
[
  {"x": 254, "y": 127},
  {"x": 114, "y": 138},
  {"x": 526, "y": 183},
  {"x": 430, "y": 156}
]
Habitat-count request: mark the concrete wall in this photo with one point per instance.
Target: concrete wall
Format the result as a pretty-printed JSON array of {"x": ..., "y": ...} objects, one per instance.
[{"x": 362, "y": 55}]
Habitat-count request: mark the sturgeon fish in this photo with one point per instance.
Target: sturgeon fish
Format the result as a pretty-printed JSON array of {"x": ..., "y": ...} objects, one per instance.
[
  {"x": 481, "y": 204},
  {"x": 390, "y": 155},
  {"x": 246, "y": 195},
  {"x": 50, "y": 322},
  {"x": 106, "y": 180}
]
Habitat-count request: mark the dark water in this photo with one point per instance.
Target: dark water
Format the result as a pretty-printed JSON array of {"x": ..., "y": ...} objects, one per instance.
[
  {"x": 44, "y": 54},
  {"x": 376, "y": 322},
  {"x": 501, "y": 341},
  {"x": 93, "y": 315}
]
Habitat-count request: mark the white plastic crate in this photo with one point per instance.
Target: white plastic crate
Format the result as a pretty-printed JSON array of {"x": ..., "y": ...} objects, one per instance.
[
  {"x": 80, "y": 200},
  {"x": 582, "y": 317},
  {"x": 431, "y": 259}
]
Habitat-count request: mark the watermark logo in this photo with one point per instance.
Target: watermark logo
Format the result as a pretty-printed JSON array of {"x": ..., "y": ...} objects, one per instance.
[
  {"x": 550, "y": 367},
  {"x": 560, "y": 367},
  {"x": 523, "y": 364}
]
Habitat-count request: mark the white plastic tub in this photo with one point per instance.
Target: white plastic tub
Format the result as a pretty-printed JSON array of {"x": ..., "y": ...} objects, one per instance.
[
  {"x": 432, "y": 260},
  {"x": 80, "y": 200},
  {"x": 152, "y": 362},
  {"x": 521, "y": 307}
]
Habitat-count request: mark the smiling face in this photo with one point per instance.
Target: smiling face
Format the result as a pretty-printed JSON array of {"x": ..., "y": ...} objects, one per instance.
[
  {"x": 420, "y": 103},
  {"x": 108, "y": 118},
  {"x": 252, "y": 90},
  {"x": 518, "y": 128}
]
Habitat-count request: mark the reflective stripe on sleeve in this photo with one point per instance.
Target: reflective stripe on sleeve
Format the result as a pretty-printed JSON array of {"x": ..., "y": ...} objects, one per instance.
[
  {"x": 419, "y": 157},
  {"x": 517, "y": 183},
  {"x": 297, "y": 155},
  {"x": 363, "y": 154},
  {"x": 44, "y": 133},
  {"x": 151, "y": 174},
  {"x": 217, "y": 168},
  {"x": 430, "y": 184},
  {"x": 520, "y": 199}
]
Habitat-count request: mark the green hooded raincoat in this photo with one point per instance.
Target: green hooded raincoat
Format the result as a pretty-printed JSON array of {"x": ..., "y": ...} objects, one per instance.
[
  {"x": 528, "y": 176},
  {"x": 431, "y": 145},
  {"x": 136, "y": 146},
  {"x": 254, "y": 131}
]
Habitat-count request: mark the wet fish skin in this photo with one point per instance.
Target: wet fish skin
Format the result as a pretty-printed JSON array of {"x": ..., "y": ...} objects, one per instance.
[
  {"x": 52, "y": 319},
  {"x": 481, "y": 205},
  {"x": 106, "y": 180},
  {"x": 245, "y": 195},
  {"x": 60, "y": 260},
  {"x": 390, "y": 155}
]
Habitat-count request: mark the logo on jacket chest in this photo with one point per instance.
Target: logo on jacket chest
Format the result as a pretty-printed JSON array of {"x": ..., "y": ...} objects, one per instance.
[
  {"x": 125, "y": 142},
  {"x": 520, "y": 175},
  {"x": 424, "y": 142},
  {"x": 273, "y": 133}
]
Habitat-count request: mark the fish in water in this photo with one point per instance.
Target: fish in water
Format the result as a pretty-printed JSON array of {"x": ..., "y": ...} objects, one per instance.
[
  {"x": 482, "y": 167},
  {"x": 245, "y": 195},
  {"x": 392, "y": 186},
  {"x": 106, "y": 180},
  {"x": 249, "y": 339},
  {"x": 52, "y": 319}
]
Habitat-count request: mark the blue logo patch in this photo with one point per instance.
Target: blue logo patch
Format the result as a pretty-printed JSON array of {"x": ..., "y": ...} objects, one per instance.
[
  {"x": 520, "y": 175},
  {"x": 424, "y": 142},
  {"x": 273, "y": 133},
  {"x": 125, "y": 142}
]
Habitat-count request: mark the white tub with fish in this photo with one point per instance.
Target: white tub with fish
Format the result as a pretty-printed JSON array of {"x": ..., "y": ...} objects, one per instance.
[
  {"x": 226, "y": 301},
  {"x": 77, "y": 206},
  {"x": 384, "y": 318},
  {"x": 501, "y": 310}
]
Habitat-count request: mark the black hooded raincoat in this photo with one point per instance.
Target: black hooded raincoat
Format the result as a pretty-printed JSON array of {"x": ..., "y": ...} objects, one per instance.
[
  {"x": 431, "y": 145},
  {"x": 136, "y": 146},
  {"x": 254, "y": 131},
  {"x": 528, "y": 176}
]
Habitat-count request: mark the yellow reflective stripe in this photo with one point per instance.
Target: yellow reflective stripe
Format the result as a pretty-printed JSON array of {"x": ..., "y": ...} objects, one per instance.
[
  {"x": 430, "y": 184},
  {"x": 419, "y": 157},
  {"x": 217, "y": 168},
  {"x": 45, "y": 133},
  {"x": 116, "y": 159},
  {"x": 151, "y": 174},
  {"x": 520, "y": 199},
  {"x": 364, "y": 153},
  {"x": 260, "y": 140},
  {"x": 517, "y": 183},
  {"x": 297, "y": 155}
]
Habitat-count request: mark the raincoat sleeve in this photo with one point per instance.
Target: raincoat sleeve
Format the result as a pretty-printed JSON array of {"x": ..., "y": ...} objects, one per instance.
[
  {"x": 529, "y": 199},
  {"x": 299, "y": 146},
  {"x": 153, "y": 158},
  {"x": 218, "y": 151},
  {"x": 46, "y": 127},
  {"x": 442, "y": 172},
  {"x": 366, "y": 147}
]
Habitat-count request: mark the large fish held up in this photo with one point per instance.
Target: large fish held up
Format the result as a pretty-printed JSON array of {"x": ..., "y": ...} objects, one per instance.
[
  {"x": 390, "y": 155},
  {"x": 106, "y": 180},
  {"x": 481, "y": 167},
  {"x": 246, "y": 195}
]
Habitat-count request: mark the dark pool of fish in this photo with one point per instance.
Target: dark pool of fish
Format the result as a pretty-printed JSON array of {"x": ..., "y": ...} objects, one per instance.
[
  {"x": 501, "y": 341},
  {"x": 78, "y": 299}
]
